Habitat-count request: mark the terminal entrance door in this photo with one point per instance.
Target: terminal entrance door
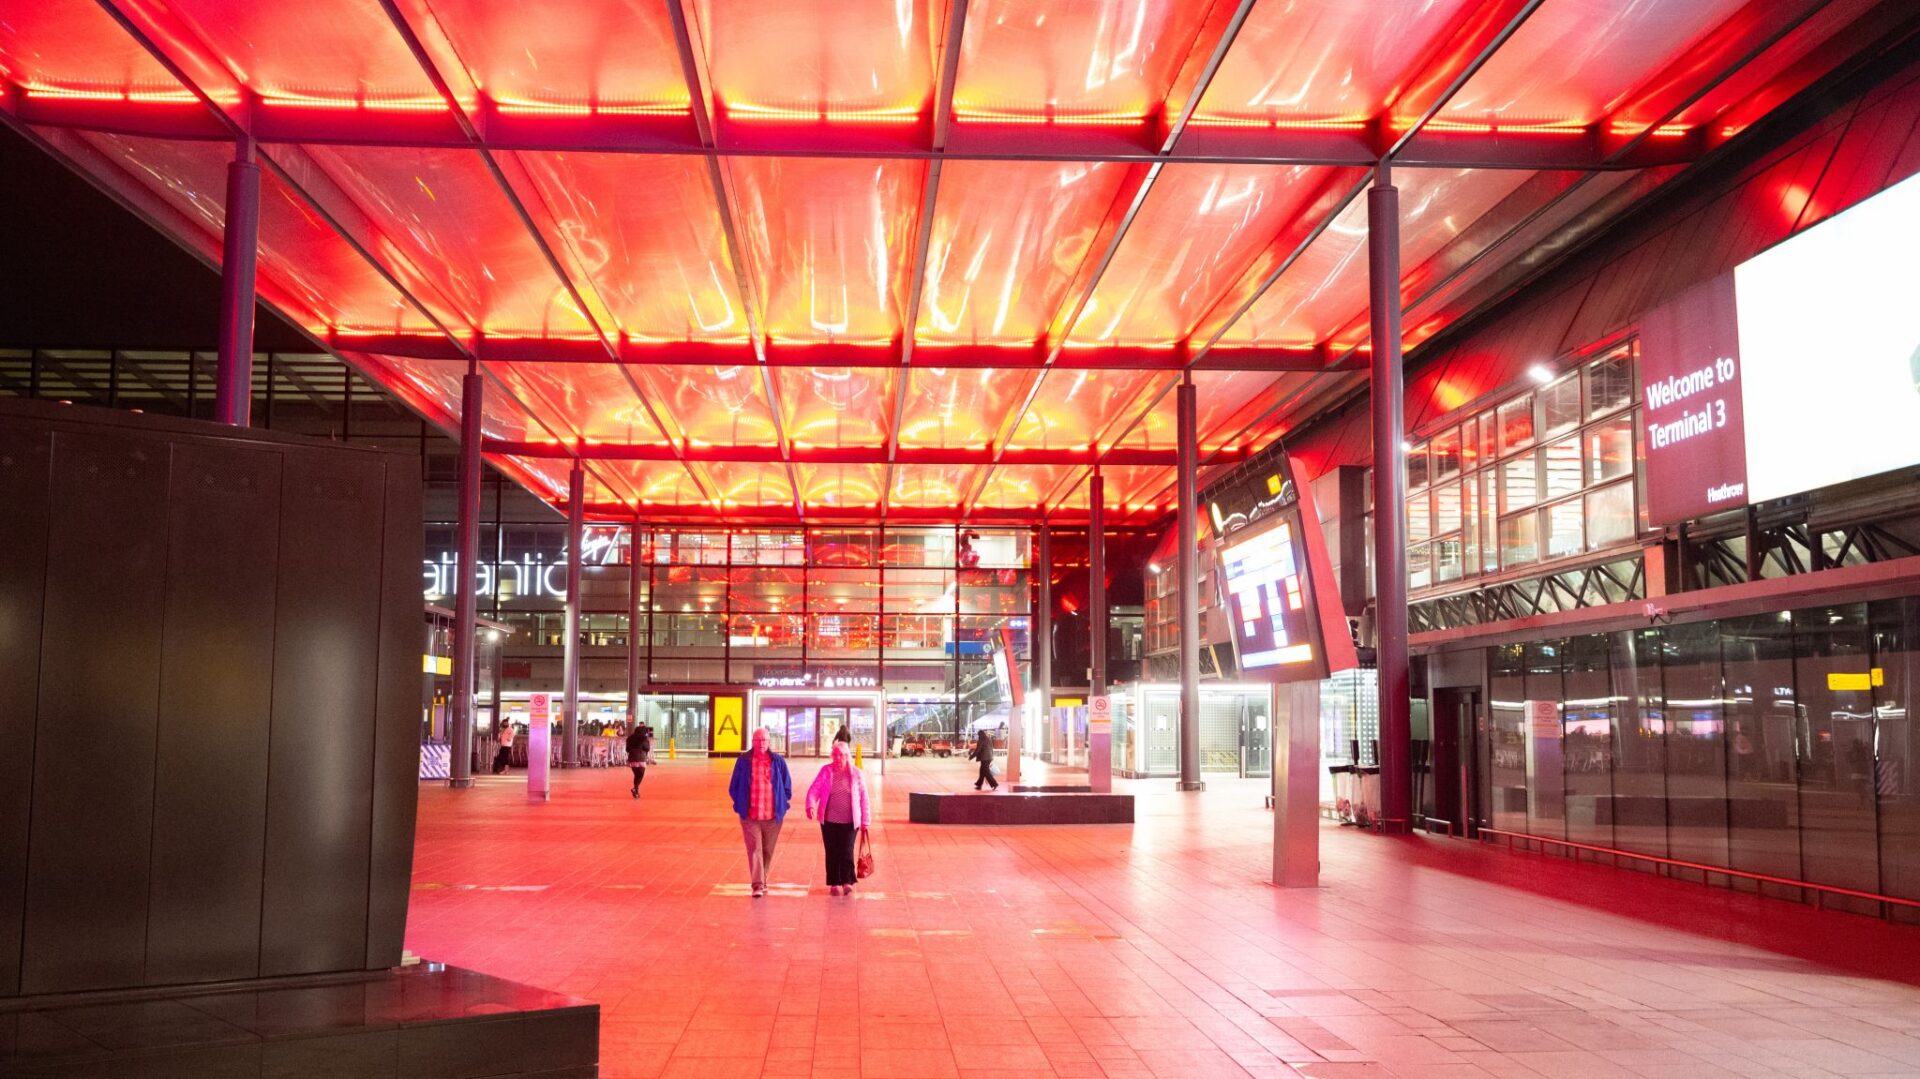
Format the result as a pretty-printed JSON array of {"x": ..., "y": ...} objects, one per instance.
[{"x": 803, "y": 732}]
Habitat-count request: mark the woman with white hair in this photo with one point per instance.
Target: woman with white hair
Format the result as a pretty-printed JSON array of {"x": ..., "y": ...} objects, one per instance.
[{"x": 838, "y": 799}]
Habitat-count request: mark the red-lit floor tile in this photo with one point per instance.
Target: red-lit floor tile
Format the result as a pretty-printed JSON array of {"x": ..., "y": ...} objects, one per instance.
[{"x": 1149, "y": 951}]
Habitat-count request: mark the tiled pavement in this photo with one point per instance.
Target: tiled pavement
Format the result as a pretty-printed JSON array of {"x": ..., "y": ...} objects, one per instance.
[{"x": 1150, "y": 950}]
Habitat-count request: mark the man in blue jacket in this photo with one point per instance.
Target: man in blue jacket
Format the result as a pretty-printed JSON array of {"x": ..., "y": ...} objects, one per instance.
[{"x": 761, "y": 788}]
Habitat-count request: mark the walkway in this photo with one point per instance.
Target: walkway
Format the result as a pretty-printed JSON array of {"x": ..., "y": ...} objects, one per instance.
[{"x": 1150, "y": 951}]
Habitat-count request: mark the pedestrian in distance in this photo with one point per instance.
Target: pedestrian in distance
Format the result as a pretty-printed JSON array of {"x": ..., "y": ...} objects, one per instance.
[
  {"x": 761, "y": 789},
  {"x": 639, "y": 754},
  {"x": 503, "y": 756},
  {"x": 982, "y": 751},
  {"x": 838, "y": 800},
  {"x": 844, "y": 737}
]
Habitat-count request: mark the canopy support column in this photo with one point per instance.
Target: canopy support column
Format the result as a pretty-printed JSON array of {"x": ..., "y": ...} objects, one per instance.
[
  {"x": 1186, "y": 564},
  {"x": 466, "y": 599},
  {"x": 570, "y": 654},
  {"x": 636, "y": 576},
  {"x": 1043, "y": 639},
  {"x": 1389, "y": 500},
  {"x": 1097, "y": 584},
  {"x": 240, "y": 243}
]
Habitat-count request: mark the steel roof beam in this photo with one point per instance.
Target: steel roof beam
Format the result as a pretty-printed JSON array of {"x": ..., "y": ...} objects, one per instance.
[{"x": 832, "y": 455}]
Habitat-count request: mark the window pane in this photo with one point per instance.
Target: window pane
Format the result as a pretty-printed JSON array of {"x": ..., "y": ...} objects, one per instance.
[
  {"x": 1609, "y": 383},
  {"x": 1565, "y": 535},
  {"x": 1518, "y": 482},
  {"x": 1609, "y": 450},
  {"x": 1836, "y": 775},
  {"x": 1696, "y": 745},
  {"x": 1588, "y": 716},
  {"x": 1560, "y": 407},
  {"x": 1546, "y": 753},
  {"x": 1489, "y": 439},
  {"x": 1489, "y": 527},
  {"x": 1470, "y": 523},
  {"x": 1516, "y": 424},
  {"x": 1640, "y": 756},
  {"x": 1519, "y": 540},
  {"x": 1896, "y": 630},
  {"x": 1446, "y": 508},
  {"x": 1563, "y": 467},
  {"x": 1419, "y": 568},
  {"x": 1446, "y": 560},
  {"x": 1763, "y": 829},
  {"x": 1419, "y": 524},
  {"x": 1416, "y": 468},
  {"x": 1446, "y": 454},
  {"x": 1506, "y": 738},
  {"x": 1610, "y": 516}
]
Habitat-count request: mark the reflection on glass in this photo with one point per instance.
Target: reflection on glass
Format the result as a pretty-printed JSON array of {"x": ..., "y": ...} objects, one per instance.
[
  {"x": 1516, "y": 424},
  {"x": 1519, "y": 482},
  {"x": 1506, "y": 742},
  {"x": 1762, "y": 810},
  {"x": 1564, "y": 535},
  {"x": 1610, "y": 383},
  {"x": 1833, "y": 669},
  {"x": 1610, "y": 516},
  {"x": 1696, "y": 745},
  {"x": 1560, "y": 407},
  {"x": 1519, "y": 540},
  {"x": 1895, "y": 624},
  {"x": 1640, "y": 753}
]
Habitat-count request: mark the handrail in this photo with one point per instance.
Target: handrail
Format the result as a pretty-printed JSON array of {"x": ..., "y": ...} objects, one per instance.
[{"x": 1720, "y": 869}]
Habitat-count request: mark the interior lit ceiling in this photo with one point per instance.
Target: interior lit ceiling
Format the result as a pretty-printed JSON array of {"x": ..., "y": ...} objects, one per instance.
[{"x": 912, "y": 260}]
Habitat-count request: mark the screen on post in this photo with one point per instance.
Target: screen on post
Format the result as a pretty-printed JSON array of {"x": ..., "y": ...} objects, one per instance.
[
  {"x": 1799, "y": 370},
  {"x": 1266, "y": 600}
]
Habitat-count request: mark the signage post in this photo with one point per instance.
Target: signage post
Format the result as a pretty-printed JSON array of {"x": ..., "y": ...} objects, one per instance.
[
  {"x": 539, "y": 744},
  {"x": 1100, "y": 744}
]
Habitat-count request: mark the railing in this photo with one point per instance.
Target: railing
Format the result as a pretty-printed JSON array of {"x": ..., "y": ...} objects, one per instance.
[{"x": 1822, "y": 890}]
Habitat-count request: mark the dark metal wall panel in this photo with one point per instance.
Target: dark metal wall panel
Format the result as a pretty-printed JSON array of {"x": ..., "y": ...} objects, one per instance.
[
  {"x": 216, "y": 685},
  {"x": 25, "y": 458},
  {"x": 396, "y": 749},
  {"x": 93, "y": 755},
  {"x": 326, "y": 661}
]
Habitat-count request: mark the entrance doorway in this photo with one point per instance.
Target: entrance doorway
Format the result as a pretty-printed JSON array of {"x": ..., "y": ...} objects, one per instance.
[
  {"x": 1450, "y": 794},
  {"x": 804, "y": 727}
]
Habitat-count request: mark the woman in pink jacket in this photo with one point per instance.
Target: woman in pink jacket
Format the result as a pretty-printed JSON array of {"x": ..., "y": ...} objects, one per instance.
[{"x": 839, "y": 798}]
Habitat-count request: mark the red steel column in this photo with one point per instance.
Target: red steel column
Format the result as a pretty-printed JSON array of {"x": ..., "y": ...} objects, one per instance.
[
  {"x": 1097, "y": 584},
  {"x": 465, "y": 619},
  {"x": 240, "y": 242},
  {"x": 1186, "y": 566},
  {"x": 1043, "y": 639},
  {"x": 1389, "y": 499},
  {"x": 570, "y": 653},
  {"x": 636, "y": 617}
]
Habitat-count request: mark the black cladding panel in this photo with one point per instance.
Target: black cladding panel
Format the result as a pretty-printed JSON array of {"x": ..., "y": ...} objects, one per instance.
[
  {"x": 25, "y": 458},
  {"x": 92, "y": 822},
  {"x": 215, "y": 695}
]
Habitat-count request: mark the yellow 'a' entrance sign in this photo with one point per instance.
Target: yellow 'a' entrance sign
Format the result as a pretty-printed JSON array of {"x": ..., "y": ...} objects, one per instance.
[{"x": 728, "y": 723}]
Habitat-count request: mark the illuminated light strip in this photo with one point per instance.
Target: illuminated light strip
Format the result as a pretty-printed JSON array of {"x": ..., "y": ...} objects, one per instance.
[
  {"x": 524, "y": 107},
  {"x": 140, "y": 96},
  {"x": 350, "y": 104},
  {"x": 901, "y": 114},
  {"x": 1664, "y": 131},
  {"x": 1281, "y": 123},
  {"x": 1475, "y": 127},
  {"x": 1087, "y": 119}
]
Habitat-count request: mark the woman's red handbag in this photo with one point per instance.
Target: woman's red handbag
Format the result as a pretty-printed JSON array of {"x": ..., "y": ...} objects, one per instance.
[{"x": 863, "y": 857}]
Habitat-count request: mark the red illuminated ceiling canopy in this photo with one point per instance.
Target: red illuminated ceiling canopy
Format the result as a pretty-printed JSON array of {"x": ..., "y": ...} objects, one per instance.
[{"x": 912, "y": 259}]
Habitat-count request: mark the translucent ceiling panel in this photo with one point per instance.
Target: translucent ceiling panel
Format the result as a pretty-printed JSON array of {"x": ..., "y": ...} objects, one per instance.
[
  {"x": 1135, "y": 487},
  {"x": 1023, "y": 487},
  {"x": 73, "y": 48},
  {"x": 525, "y": 57},
  {"x": 319, "y": 53},
  {"x": 657, "y": 483},
  {"x": 717, "y": 406},
  {"x": 546, "y": 477},
  {"x": 1007, "y": 238},
  {"x": 867, "y": 60},
  {"x": 750, "y": 483},
  {"x": 439, "y": 382},
  {"x": 660, "y": 261},
  {"x": 959, "y": 407},
  {"x": 447, "y": 213},
  {"x": 836, "y": 406},
  {"x": 932, "y": 486},
  {"x": 1325, "y": 289},
  {"x": 1573, "y": 61},
  {"x": 1323, "y": 61},
  {"x": 840, "y": 485},
  {"x": 306, "y": 269},
  {"x": 1071, "y": 60},
  {"x": 1219, "y": 397},
  {"x": 1073, "y": 408},
  {"x": 591, "y": 400},
  {"x": 1200, "y": 227},
  {"x": 828, "y": 242}
]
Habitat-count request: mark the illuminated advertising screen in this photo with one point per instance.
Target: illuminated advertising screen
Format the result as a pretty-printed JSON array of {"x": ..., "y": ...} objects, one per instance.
[
  {"x": 1799, "y": 370},
  {"x": 1271, "y": 573}
]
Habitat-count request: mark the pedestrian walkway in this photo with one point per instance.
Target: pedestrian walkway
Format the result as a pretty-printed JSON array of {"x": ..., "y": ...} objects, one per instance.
[{"x": 1147, "y": 951}]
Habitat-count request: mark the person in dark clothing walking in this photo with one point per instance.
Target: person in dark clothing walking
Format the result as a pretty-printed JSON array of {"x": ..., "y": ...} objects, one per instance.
[
  {"x": 983, "y": 752},
  {"x": 845, "y": 736},
  {"x": 639, "y": 754}
]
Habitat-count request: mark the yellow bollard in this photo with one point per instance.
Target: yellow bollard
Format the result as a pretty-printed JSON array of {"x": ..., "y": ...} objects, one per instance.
[
  {"x": 856, "y": 755},
  {"x": 671, "y": 755}
]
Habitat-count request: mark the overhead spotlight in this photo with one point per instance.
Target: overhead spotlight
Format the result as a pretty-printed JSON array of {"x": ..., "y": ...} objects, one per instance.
[{"x": 1540, "y": 373}]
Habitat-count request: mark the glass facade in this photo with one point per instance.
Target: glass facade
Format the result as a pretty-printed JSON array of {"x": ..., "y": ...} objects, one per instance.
[{"x": 1777, "y": 744}]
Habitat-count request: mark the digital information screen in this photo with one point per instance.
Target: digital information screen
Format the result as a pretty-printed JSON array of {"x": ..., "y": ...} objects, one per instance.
[
  {"x": 1799, "y": 370},
  {"x": 1266, "y": 600}
]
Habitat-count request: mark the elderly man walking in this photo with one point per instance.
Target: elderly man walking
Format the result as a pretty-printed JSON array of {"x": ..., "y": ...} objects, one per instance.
[{"x": 761, "y": 788}]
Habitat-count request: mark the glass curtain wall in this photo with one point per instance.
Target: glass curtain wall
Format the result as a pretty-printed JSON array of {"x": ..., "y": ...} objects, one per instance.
[{"x": 1778, "y": 744}]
